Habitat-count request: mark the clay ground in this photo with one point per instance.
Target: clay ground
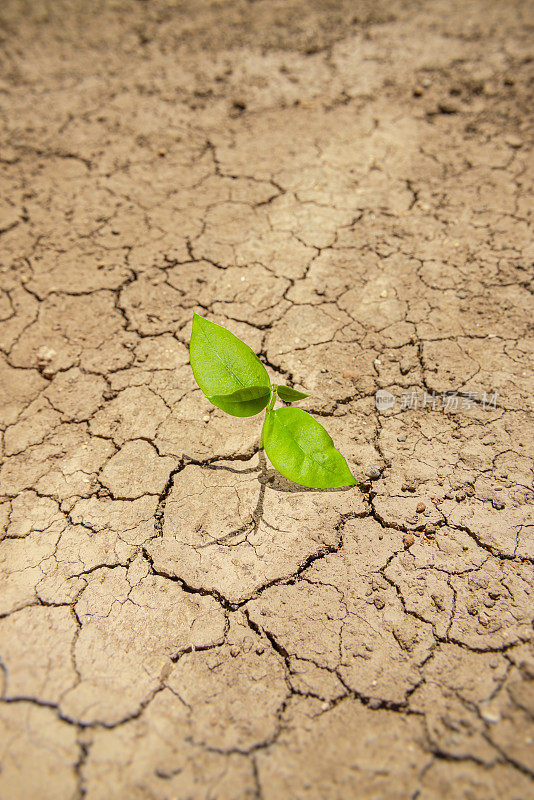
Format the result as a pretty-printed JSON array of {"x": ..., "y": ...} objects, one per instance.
[{"x": 347, "y": 187}]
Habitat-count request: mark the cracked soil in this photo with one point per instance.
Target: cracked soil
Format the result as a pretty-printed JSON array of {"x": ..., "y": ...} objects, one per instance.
[{"x": 347, "y": 187}]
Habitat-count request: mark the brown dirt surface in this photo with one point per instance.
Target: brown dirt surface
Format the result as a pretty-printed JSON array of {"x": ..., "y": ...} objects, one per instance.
[{"x": 347, "y": 186}]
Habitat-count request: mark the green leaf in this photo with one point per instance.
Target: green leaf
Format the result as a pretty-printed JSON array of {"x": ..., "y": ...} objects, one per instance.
[
  {"x": 289, "y": 395},
  {"x": 221, "y": 363},
  {"x": 301, "y": 450},
  {"x": 243, "y": 403}
]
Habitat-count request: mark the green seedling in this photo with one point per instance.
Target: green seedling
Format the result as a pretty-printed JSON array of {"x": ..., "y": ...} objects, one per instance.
[{"x": 233, "y": 378}]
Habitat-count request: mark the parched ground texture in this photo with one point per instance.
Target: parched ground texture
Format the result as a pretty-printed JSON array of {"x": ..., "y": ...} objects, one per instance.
[{"x": 347, "y": 187}]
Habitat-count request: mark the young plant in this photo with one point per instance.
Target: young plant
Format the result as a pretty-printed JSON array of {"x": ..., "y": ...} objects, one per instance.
[{"x": 233, "y": 378}]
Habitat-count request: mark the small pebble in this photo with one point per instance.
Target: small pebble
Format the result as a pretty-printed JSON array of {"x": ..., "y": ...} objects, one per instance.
[
  {"x": 513, "y": 141},
  {"x": 379, "y": 602},
  {"x": 372, "y": 472},
  {"x": 489, "y": 715},
  {"x": 260, "y": 649},
  {"x": 206, "y": 417},
  {"x": 45, "y": 355},
  {"x": 420, "y": 508},
  {"x": 401, "y": 438},
  {"x": 408, "y": 539},
  {"x": 374, "y": 703},
  {"x": 234, "y": 651},
  {"x": 448, "y": 107},
  {"x": 498, "y": 504}
]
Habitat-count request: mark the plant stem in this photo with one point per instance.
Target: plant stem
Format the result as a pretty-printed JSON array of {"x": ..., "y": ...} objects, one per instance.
[{"x": 272, "y": 401}]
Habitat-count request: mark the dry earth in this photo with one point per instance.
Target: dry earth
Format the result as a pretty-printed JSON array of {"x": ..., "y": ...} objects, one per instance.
[{"x": 347, "y": 186}]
